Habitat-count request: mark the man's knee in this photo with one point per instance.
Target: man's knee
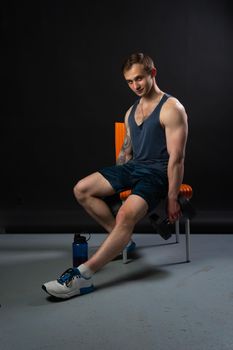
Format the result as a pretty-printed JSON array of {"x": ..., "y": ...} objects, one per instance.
[
  {"x": 133, "y": 210},
  {"x": 126, "y": 217},
  {"x": 81, "y": 190}
]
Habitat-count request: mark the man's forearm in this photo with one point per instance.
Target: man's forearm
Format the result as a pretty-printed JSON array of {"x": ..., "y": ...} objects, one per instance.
[{"x": 175, "y": 177}]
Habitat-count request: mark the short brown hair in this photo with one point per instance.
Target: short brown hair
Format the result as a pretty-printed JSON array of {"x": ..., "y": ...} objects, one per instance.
[{"x": 141, "y": 58}]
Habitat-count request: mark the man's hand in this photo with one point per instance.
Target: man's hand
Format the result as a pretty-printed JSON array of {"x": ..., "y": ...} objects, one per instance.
[{"x": 173, "y": 210}]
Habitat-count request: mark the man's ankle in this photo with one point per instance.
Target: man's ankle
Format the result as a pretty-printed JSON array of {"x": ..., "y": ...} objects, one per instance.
[{"x": 85, "y": 271}]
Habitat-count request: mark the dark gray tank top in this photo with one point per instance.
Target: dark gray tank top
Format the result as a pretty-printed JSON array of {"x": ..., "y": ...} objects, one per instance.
[{"x": 148, "y": 139}]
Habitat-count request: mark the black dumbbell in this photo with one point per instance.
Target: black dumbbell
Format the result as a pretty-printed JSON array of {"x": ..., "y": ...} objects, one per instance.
[
  {"x": 163, "y": 226},
  {"x": 186, "y": 207}
]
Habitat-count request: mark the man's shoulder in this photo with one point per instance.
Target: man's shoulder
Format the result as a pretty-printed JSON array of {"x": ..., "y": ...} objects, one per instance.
[
  {"x": 173, "y": 109},
  {"x": 173, "y": 105}
]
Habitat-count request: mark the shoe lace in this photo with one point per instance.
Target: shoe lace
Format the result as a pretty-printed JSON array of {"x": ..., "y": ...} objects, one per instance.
[{"x": 68, "y": 276}]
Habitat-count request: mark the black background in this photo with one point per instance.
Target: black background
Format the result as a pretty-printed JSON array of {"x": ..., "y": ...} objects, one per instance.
[{"x": 62, "y": 90}]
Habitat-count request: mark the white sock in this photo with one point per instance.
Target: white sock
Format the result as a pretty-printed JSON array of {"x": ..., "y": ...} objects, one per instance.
[{"x": 85, "y": 271}]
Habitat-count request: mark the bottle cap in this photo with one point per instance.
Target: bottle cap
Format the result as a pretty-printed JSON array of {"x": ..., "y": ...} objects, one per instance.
[{"x": 79, "y": 239}]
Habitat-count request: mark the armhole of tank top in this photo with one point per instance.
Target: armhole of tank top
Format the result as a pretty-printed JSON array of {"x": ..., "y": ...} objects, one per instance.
[
  {"x": 167, "y": 97},
  {"x": 128, "y": 114}
]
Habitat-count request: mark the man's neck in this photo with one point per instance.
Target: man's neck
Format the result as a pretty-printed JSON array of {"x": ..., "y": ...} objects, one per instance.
[{"x": 154, "y": 94}]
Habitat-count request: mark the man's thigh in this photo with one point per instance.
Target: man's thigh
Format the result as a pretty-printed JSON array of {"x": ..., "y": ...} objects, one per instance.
[
  {"x": 96, "y": 185},
  {"x": 119, "y": 176},
  {"x": 152, "y": 189}
]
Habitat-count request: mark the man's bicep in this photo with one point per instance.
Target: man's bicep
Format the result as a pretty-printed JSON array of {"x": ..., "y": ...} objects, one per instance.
[
  {"x": 176, "y": 133},
  {"x": 176, "y": 140},
  {"x": 127, "y": 145},
  {"x": 126, "y": 151}
]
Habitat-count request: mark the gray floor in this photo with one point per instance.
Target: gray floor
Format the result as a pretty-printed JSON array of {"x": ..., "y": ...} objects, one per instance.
[{"x": 154, "y": 302}]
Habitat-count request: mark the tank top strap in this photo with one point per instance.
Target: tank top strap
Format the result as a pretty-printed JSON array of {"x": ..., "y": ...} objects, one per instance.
[{"x": 162, "y": 101}]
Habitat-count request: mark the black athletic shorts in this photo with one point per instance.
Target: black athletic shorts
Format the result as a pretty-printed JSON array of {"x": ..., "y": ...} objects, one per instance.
[{"x": 143, "y": 180}]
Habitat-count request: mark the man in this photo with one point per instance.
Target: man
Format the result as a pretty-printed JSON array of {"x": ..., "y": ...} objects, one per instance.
[{"x": 151, "y": 163}]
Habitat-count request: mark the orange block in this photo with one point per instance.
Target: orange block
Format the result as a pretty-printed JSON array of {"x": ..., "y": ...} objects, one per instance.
[
  {"x": 119, "y": 137},
  {"x": 124, "y": 195},
  {"x": 186, "y": 191}
]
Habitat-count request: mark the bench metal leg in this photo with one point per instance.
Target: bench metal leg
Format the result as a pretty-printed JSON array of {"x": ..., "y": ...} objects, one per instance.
[
  {"x": 177, "y": 227},
  {"x": 125, "y": 258},
  {"x": 187, "y": 235}
]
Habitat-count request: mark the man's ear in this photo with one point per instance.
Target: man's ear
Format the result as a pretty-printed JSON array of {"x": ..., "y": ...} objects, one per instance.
[{"x": 153, "y": 72}]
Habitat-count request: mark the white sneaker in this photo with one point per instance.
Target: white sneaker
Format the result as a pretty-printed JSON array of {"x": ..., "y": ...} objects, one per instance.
[{"x": 70, "y": 283}]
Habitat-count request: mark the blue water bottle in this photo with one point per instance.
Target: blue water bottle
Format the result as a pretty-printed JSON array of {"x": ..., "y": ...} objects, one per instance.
[{"x": 80, "y": 250}]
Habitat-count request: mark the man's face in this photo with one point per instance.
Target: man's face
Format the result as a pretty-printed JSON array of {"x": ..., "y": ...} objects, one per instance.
[{"x": 139, "y": 81}]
